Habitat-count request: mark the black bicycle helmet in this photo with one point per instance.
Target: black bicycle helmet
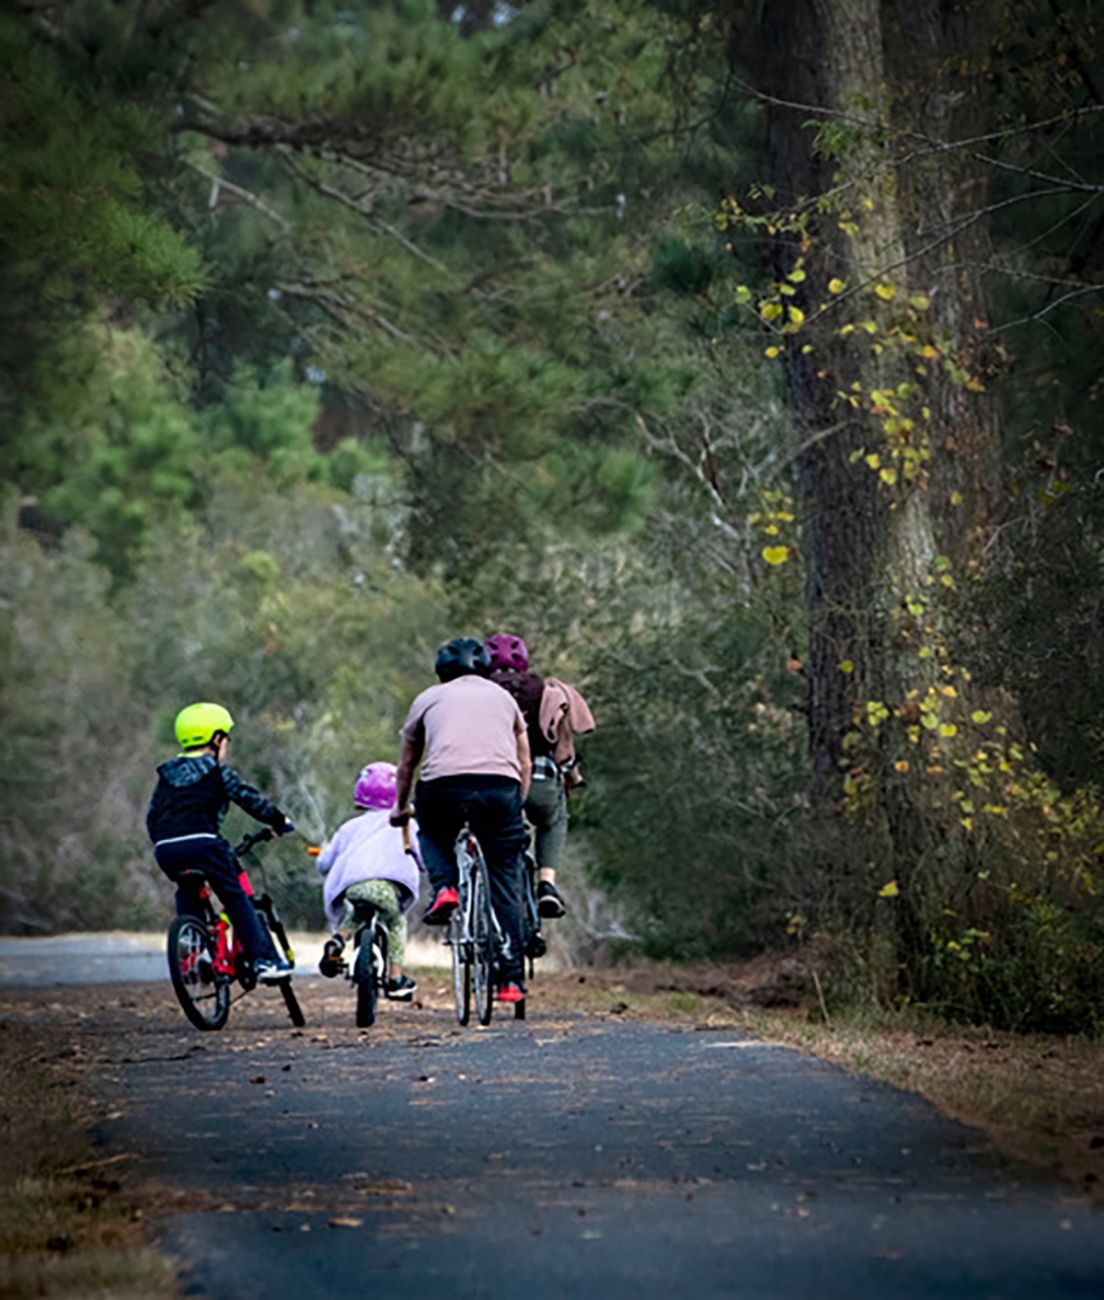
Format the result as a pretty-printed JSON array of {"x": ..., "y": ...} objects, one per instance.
[{"x": 462, "y": 657}]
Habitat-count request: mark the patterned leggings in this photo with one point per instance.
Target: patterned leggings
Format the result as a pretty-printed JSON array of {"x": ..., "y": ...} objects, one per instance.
[{"x": 383, "y": 895}]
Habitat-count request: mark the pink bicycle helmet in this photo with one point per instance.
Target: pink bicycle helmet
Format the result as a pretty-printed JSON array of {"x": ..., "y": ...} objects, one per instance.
[
  {"x": 507, "y": 651},
  {"x": 375, "y": 786}
]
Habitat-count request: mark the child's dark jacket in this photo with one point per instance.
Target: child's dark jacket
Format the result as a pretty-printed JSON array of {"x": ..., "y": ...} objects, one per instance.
[{"x": 193, "y": 795}]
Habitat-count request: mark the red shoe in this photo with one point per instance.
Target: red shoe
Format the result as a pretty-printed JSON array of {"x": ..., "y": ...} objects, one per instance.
[
  {"x": 511, "y": 992},
  {"x": 446, "y": 902}
]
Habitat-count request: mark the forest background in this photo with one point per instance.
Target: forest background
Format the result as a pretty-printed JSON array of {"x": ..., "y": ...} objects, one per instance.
[{"x": 745, "y": 359}]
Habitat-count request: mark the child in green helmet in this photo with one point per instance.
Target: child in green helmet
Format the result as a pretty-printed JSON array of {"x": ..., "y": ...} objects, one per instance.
[{"x": 193, "y": 793}]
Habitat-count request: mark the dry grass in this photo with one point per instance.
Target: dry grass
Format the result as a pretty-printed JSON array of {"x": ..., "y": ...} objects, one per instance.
[{"x": 67, "y": 1226}]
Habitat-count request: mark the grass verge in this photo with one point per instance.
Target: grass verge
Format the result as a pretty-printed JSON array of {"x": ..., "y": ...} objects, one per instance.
[{"x": 67, "y": 1227}]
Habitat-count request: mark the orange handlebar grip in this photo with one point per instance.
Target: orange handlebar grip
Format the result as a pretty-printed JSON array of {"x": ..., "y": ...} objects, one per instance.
[{"x": 314, "y": 850}]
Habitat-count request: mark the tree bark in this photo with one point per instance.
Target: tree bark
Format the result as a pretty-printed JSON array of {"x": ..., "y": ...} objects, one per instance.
[{"x": 878, "y": 554}]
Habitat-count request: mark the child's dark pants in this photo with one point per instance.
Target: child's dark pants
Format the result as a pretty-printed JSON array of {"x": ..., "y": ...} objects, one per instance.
[{"x": 214, "y": 859}]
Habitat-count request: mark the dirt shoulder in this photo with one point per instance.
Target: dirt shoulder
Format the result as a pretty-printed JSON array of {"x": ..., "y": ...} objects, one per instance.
[{"x": 67, "y": 1224}]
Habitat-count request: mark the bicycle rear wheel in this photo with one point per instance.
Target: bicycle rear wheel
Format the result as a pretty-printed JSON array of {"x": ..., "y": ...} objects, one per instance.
[
  {"x": 203, "y": 994},
  {"x": 461, "y": 967},
  {"x": 364, "y": 977},
  {"x": 483, "y": 944}
]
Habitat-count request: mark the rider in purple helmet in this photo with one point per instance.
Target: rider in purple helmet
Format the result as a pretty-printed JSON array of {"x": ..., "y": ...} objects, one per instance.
[
  {"x": 552, "y": 746},
  {"x": 366, "y": 862}
]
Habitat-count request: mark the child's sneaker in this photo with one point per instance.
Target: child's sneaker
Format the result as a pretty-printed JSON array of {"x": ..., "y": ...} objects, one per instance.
[
  {"x": 331, "y": 963},
  {"x": 550, "y": 903},
  {"x": 400, "y": 990},
  {"x": 271, "y": 970},
  {"x": 446, "y": 902}
]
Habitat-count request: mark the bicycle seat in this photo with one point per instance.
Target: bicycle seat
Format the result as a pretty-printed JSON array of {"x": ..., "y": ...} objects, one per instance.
[{"x": 192, "y": 876}]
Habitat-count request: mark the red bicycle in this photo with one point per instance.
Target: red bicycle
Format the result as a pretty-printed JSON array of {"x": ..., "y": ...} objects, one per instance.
[{"x": 206, "y": 957}]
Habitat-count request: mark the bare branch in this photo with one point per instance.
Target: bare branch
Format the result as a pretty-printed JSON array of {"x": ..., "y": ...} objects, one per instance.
[{"x": 240, "y": 192}]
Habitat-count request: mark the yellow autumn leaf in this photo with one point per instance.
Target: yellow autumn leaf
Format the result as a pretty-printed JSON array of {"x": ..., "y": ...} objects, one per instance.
[
  {"x": 796, "y": 275},
  {"x": 797, "y": 316},
  {"x": 902, "y": 765},
  {"x": 980, "y": 716},
  {"x": 836, "y": 285},
  {"x": 770, "y": 310},
  {"x": 776, "y": 555},
  {"x": 885, "y": 291},
  {"x": 889, "y": 890},
  {"x": 920, "y": 301},
  {"x": 888, "y": 476},
  {"x": 948, "y": 729},
  {"x": 771, "y": 352},
  {"x": 743, "y": 293},
  {"x": 846, "y": 666},
  {"x": 873, "y": 460}
]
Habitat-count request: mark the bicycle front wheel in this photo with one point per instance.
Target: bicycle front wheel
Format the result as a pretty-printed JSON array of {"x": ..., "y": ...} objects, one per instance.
[
  {"x": 461, "y": 967},
  {"x": 364, "y": 977},
  {"x": 203, "y": 994},
  {"x": 483, "y": 944}
]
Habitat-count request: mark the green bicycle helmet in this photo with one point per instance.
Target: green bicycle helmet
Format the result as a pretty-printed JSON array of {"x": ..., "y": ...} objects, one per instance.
[{"x": 196, "y": 725}]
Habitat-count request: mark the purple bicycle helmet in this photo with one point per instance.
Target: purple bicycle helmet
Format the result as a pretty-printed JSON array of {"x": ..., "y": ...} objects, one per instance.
[
  {"x": 375, "y": 786},
  {"x": 508, "y": 652}
]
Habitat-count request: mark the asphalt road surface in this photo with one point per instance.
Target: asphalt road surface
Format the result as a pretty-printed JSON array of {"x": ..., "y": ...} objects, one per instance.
[{"x": 571, "y": 1155}]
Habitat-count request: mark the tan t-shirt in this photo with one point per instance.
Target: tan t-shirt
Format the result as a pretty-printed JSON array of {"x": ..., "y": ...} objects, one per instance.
[{"x": 466, "y": 726}]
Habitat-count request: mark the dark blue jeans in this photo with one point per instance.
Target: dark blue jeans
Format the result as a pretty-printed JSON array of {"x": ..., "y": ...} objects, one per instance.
[
  {"x": 214, "y": 859},
  {"x": 491, "y": 805}
]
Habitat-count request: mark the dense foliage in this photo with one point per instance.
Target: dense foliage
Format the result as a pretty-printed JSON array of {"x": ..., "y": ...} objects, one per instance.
[{"x": 330, "y": 330}]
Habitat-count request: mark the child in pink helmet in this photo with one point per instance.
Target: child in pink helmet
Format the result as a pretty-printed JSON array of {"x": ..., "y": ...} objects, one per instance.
[{"x": 367, "y": 861}]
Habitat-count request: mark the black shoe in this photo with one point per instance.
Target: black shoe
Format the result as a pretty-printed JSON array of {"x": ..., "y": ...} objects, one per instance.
[
  {"x": 400, "y": 990},
  {"x": 331, "y": 963},
  {"x": 549, "y": 903}
]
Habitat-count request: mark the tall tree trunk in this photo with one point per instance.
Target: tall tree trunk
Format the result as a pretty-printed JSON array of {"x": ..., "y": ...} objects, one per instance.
[{"x": 880, "y": 544}]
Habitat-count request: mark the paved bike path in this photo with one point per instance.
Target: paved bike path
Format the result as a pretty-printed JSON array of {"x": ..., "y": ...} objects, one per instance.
[{"x": 568, "y": 1156}]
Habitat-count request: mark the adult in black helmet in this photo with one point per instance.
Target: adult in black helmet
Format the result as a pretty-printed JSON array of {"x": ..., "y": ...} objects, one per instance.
[
  {"x": 462, "y": 657},
  {"x": 470, "y": 739}
]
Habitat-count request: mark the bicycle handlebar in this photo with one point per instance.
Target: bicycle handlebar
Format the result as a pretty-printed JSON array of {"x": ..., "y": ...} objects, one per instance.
[{"x": 248, "y": 842}]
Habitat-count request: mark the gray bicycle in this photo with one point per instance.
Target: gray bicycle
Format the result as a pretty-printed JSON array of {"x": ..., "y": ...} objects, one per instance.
[{"x": 475, "y": 937}]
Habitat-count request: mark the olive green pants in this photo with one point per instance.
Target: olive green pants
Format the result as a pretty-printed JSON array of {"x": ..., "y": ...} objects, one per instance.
[
  {"x": 546, "y": 808},
  {"x": 383, "y": 895}
]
